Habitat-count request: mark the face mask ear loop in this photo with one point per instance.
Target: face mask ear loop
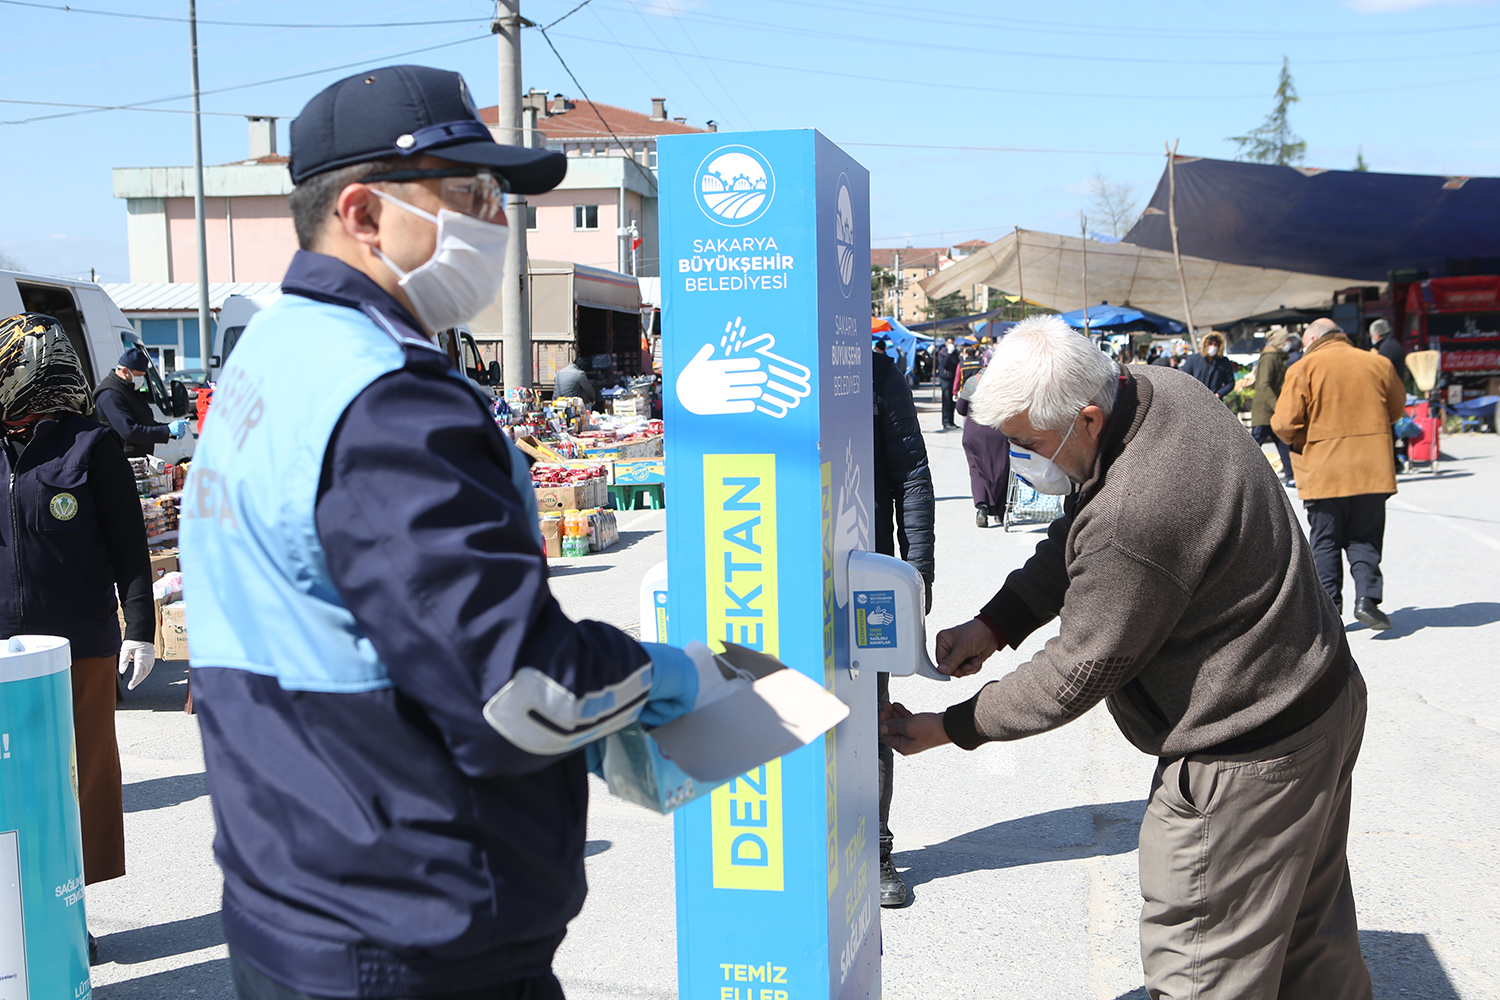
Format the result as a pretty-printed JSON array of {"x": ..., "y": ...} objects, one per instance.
[{"x": 414, "y": 210}]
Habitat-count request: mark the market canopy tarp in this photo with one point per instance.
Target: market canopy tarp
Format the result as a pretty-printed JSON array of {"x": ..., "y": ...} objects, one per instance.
[
  {"x": 888, "y": 328},
  {"x": 1048, "y": 269},
  {"x": 1357, "y": 224},
  {"x": 1120, "y": 319}
]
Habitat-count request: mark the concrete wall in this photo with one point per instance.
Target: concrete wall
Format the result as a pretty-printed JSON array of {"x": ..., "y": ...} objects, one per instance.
[{"x": 257, "y": 247}]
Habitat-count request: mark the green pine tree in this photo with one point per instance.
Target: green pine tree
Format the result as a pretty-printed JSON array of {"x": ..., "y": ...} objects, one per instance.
[
  {"x": 1274, "y": 141},
  {"x": 1360, "y": 164}
]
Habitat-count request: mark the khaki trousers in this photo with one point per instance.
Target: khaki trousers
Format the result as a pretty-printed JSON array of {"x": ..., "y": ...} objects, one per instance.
[
  {"x": 101, "y": 803},
  {"x": 1243, "y": 871}
]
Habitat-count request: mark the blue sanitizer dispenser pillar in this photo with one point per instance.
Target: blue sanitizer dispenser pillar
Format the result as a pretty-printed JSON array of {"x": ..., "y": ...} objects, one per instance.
[
  {"x": 765, "y": 263},
  {"x": 44, "y": 951}
]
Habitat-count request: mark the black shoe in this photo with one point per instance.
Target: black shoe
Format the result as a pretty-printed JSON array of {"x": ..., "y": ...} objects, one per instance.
[
  {"x": 1369, "y": 612},
  {"x": 93, "y": 950},
  {"x": 982, "y": 517},
  {"x": 892, "y": 889}
]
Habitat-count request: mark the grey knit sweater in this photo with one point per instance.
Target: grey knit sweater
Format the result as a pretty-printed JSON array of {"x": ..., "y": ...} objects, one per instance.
[{"x": 1186, "y": 589}]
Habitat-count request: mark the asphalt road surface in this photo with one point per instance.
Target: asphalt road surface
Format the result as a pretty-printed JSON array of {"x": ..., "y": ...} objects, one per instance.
[{"x": 1021, "y": 856}]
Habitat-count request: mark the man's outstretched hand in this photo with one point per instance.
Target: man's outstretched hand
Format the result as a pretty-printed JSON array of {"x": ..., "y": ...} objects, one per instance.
[
  {"x": 907, "y": 733},
  {"x": 962, "y": 650}
]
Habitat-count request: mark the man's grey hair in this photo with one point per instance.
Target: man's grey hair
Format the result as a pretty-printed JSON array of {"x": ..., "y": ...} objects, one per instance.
[
  {"x": 1317, "y": 328},
  {"x": 1380, "y": 329},
  {"x": 1044, "y": 368}
]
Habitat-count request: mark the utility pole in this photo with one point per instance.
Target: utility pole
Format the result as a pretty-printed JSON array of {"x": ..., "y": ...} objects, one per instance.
[
  {"x": 515, "y": 338},
  {"x": 1187, "y": 308},
  {"x": 205, "y": 332}
]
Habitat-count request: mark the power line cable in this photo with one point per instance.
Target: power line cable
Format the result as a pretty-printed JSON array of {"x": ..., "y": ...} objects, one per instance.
[
  {"x": 240, "y": 24},
  {"x": 566, "y": 69},
  {"x": 568, "y": 14},
  {"x": 690, "y": 78},
  {"x": 714, "y": 73},
  {"x": 114, "y": 107},
  {"x": 1003, "y": 149},
  {"x": 145, "y": 105}
]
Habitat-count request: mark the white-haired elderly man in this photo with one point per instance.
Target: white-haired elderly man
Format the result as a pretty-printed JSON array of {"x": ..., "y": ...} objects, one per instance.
[{"x": 1189, "y": 601}]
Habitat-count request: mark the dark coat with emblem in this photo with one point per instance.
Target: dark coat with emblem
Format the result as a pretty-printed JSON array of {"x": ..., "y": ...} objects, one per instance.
[{"x": 72, "y": 533}]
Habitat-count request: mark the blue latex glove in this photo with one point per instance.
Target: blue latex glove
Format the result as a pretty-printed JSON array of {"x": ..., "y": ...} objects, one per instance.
[
  {"x": 178, "y": 429},
  {"x": 674, "y": 685}
]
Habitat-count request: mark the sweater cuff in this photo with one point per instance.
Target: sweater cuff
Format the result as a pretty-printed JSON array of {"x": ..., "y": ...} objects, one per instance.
[
  {"x": 1011, "y": 615},
  {"x": 959, "y": 724},
  {"x": 1000, "y": 641}
]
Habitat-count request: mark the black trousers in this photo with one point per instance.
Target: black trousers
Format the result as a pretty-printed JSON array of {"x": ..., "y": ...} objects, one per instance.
[
  {"x": 1263, "y": 435},
  {"x": 1348, "y": 525},
  {"x": 887, "y": 759},
  {"x": 252, "y": 985},
  {"x": 948, "y": 405}
]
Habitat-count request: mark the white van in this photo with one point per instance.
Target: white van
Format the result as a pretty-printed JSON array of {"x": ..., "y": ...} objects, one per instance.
[
  {"x": 99, "y": 332},
  {"x": 235, "y": 314}
]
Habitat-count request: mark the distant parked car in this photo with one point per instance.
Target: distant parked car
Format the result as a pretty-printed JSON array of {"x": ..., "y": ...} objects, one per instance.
[{"x": 191, "y": 378}]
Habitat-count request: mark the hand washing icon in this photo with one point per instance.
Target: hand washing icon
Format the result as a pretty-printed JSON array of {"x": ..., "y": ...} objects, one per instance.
[
  {"x": 880, "y": 616},
  {"x": 750, "y": 376}
]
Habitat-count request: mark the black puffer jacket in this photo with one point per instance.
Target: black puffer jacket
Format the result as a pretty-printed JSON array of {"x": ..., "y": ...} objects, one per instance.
[{"x": 903, "y": 479}]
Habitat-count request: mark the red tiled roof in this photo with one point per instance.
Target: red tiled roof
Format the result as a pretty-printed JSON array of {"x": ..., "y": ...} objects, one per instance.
[
  {"x": 974, "y": 243},
  {"x": 581, "y": 122},
  {"x": 272, "y": 159},
  {"x": 910, "y": 256}
]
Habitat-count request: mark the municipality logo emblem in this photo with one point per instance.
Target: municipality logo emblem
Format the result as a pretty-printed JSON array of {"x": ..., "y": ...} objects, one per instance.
[
  {"x": 64, "y": 506},
  {"x": 843, "y": 235},
  {"x": 734, "y": 185}
]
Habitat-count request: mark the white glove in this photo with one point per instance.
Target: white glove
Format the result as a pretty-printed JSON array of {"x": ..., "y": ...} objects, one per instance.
[{"x": 144, "y": 655}]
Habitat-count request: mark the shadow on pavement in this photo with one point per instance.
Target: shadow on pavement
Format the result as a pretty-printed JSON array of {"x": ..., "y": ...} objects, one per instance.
[
  {"x": 593, "y": 847},
  {"x": 204, "y": 981},
  {"x": 1400, "y": 965},
  {"x": 558, "y": 568},
  {"x": 1405, "y": 965},
  {"x": 176, "y": 937},
  {"x": 1407, "y": 621},
  {"x": 159, "y": 793},
  {"x": 164, "y": 690},
  {"x": 1061, "y": 835}
]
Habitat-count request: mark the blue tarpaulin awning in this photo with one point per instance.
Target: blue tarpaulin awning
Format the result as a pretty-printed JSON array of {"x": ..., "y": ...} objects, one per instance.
[
  {"x": 1353, "y": 224},
  {"x": 1106, "y": 318}
]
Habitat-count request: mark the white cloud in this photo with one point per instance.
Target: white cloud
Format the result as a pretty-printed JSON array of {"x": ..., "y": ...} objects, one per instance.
[{"x": 1397, "y": 6}]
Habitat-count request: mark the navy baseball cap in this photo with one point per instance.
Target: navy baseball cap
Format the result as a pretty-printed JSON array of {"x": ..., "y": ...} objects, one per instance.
[
  {"x": 135, "y": 359},
  {"x": 401, "y": 111}
]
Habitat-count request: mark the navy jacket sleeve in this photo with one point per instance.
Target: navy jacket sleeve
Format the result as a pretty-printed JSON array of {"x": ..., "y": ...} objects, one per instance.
[
  {"x": 428, "y": 543},
  {"x": 903, "y": 455},
  {"x": 119, "y": 507},
  {"x": 116, "y": 413}
]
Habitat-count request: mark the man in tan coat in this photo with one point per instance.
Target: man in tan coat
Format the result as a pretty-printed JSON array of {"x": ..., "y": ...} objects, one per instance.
[{"x": 1336, "y": 409}]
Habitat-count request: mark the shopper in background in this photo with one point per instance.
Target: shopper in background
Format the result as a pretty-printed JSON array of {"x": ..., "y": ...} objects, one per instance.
[
  {"x": 948, "y": 361},
  {"x": 904, "y": 510},
  {"x": 1293, "y": 349},
  {"x": 126, "y": 407},
  {"x": 75, "y": 535},
  {"x": 1211, "y": 367},
  {"x": 573, "y": 381},
  {"x": 987, "y": 450},
  {"x": 1202, "y": 624},
  {"x": 1389, "y": 347},
  {"x": 394, "y": 708},
  {"x": 1336, "y": 410},
  {"x": 1270, "y": 373}
]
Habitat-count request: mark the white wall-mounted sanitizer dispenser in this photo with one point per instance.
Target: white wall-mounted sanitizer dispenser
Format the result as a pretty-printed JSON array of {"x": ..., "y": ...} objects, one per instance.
[{"x": 887, "y": 619}]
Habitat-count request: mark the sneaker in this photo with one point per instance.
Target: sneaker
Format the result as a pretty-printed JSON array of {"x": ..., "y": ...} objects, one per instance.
[
  {"x": 1369, "y": 612},
  {"x": 892, "y": 889},
  {"x": 93, "y": 950},
  {"x": 982, "y": 517}
]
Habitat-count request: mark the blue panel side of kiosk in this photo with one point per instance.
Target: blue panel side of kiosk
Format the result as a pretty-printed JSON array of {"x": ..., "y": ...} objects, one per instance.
[{"x": 753, "y": 294}]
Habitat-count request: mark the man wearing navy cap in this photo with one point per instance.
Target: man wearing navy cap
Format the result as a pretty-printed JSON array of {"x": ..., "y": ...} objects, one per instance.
[
  {"x": 392, "y": 703},
  {"x": 127, "y": 409}
]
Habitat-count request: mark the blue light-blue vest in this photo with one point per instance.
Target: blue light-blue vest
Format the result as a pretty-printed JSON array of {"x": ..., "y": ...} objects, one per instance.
[{"x": 256, "y": 585}]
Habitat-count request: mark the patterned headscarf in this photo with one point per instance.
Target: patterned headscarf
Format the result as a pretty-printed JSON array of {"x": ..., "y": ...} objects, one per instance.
[{"x": 39, "y": 370}]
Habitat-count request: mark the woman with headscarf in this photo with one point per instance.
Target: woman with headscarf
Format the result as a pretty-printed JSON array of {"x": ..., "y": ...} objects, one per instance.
[
  {"x": 987, "y": 450},
  {"x": 72, "y": 524},
  {"x": 1270, "y": 373}
]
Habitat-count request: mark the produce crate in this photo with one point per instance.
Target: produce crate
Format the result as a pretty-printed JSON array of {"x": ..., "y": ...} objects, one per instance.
[{"x": 641, "y": 471}]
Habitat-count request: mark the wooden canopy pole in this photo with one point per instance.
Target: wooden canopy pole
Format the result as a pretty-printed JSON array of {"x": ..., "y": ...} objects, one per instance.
[
  {"x": 1187, "y": 310},
  {"x": 1083, "y": 229},
  {"x": 1020, "y": 276}
]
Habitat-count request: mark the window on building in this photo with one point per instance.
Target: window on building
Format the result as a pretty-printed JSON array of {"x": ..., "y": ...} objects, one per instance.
[
  {"x": 585, "y": 216},
  {"x": 531, "y": 218}
]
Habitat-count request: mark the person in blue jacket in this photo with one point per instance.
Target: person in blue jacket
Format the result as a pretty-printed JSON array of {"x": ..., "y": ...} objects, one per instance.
[
  {"x": 394, "y": 708},
  {"x": 1211, "y": 367},
  {"x": 127, "y": 410}
]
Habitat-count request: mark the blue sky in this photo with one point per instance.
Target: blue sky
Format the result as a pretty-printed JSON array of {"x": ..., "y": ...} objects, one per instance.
[{"x": 1096, "y": 86}]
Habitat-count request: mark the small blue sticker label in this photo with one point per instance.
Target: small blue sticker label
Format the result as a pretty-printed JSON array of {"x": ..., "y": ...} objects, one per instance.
[{"x": 875, "y": 619}]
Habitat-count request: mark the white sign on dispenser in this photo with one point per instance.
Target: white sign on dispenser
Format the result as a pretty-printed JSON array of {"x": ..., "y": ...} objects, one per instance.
[{"x": 887, "y": 620}]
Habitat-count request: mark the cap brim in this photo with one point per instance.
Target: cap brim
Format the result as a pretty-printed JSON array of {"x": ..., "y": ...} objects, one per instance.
[{"x": 528, "y": 171}]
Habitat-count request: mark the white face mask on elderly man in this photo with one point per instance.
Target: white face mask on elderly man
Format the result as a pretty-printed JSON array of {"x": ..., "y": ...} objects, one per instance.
[
  {"x": 464, "y": 272},
  {"x": 1042, "y": 474}
]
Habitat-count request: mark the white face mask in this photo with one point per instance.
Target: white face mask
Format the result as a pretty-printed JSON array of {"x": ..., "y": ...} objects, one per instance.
[
  {"x": 465, "y": 270},
  {"x": 1042, "y": 474},
  {"x": 1210, "y": 351}
]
